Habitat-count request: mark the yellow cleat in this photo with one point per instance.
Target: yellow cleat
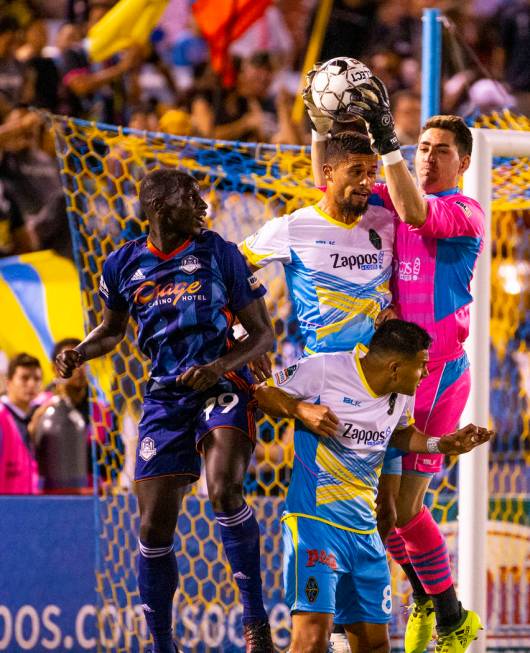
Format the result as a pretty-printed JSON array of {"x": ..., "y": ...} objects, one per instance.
[
  {"x": 458, "y": 640},
  {"x": 420, "y": 625}
]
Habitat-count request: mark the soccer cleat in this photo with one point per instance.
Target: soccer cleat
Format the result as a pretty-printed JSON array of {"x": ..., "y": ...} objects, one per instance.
[
  {"x": 338, "y": 643},
  {"x": 258, "y": 637},
  {"x": 459, "y": 639},
  {"x": 420, "y": 625}
]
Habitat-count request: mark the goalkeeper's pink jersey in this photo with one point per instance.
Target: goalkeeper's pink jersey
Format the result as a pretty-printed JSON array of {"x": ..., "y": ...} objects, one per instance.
[{"x": 433, "y": 267}]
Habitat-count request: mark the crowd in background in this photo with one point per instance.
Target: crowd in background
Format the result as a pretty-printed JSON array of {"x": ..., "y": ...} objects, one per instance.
[{"x": 171, "y": 87}]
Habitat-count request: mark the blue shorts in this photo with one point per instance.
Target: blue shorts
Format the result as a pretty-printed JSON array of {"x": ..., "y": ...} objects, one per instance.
[
  {"x": 393, "y": 463},
  {"x": 176, "y": 420},
  {"x": 332, "y": 570}
]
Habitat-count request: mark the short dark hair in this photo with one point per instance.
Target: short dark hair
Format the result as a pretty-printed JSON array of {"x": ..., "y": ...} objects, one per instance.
[
  {"x": 21, "y": 360},
  {"x": 398, "y": 336},
  {"x": 340, "y": 146},
  {"x": 355, "y": 126},
  {"x": 69, "y": 343},
  {"x": 454, "y": 124},
  {"x": 158, "y": 184},
  {"x": 8, "y": 23}
]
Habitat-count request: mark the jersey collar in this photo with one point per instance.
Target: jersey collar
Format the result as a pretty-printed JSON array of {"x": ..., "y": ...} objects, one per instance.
[
  {"x": 360, "y": 348},
  {"x": 443, "y": 193},
  {"x": 165, "y": 257},
  {"x": 327, "y": 217}
]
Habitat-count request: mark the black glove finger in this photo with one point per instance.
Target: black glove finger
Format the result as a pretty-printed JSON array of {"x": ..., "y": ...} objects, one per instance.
[{"x": 383, "y": 92}]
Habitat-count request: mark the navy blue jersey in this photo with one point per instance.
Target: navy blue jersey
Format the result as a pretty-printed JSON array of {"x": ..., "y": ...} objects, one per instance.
[{"x": 183, "y": 302}]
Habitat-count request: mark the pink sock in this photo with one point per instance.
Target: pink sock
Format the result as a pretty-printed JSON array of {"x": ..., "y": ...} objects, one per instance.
[
  {"x": 427, "y": 552},
  {"x": 395, "y": 545}
]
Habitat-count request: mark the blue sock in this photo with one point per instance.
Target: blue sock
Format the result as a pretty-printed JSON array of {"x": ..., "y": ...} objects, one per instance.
[
  {"x": 157, "y": 581},
  {"x": 240, "y": 536}
]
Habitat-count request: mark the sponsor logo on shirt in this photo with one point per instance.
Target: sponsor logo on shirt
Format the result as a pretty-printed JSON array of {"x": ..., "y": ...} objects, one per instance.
[
  {"x": 253, "y": 282},
  {"x": 409, "y": 270},
  {"x": 352, "y": 402},
  {"x": 103, "y": 287},
  {"x": 147, "y": 449},
  {"x": 359, "y": 261},
  {"x": 315, "y": 556},
  {"x": 284, "y": 375},
  {"x": 138, "y": 276},
  {"x": 365, "y": 436},
  {"x": 375, "y": 239},
  {"x": 154, "y": 294},
  {"x": 311, "y": 589},
  {"x": 190, "y": 264},
  {"x": 465, "y": 208}
]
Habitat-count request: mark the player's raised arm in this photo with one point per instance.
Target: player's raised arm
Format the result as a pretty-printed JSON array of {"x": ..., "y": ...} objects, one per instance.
[
  {"x": 101, "y": 340},
  {"x": 374, "y": 108},
  {"x": 461, "y": 441},
  {"x": 320, "y": 127}
]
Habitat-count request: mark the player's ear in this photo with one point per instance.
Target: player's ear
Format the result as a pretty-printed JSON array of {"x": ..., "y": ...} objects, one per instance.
[
  {"x": 327, "y": 169},
  {"x": 464, "y": 164},
  {"x": 393, "y": 369}
]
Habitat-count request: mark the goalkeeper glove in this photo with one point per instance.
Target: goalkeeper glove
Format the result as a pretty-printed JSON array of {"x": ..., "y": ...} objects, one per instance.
[
  {"x": 373, "y": 106},
  {"x": 320, "y": 122}
]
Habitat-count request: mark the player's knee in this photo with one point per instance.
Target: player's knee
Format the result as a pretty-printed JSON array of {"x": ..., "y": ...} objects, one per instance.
[
  {"x": 153, "y": 533},
  {"x": 225, "y": 495},
  {"x": 407, "y": 508},
  {"x": 310, "y": 641}
]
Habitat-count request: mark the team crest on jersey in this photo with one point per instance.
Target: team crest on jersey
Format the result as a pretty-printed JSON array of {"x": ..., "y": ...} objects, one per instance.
[
  {"x": 311, "y": 589},
  {"x": 465, "y": 208},
  {"x": 375, "y": 239},
  {"x": 190, "y": 264},
  {"x": 103, "y": 287},
  {"x": 284, "y": 375},
  {"x": 253, "y": 282},
  {"x": 147, "y": 449}
]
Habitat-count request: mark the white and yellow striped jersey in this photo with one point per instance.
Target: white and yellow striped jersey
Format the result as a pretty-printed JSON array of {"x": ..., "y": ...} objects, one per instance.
[
  {"x": 338, "y": 275},
  {"x": 335, "y": 479}
]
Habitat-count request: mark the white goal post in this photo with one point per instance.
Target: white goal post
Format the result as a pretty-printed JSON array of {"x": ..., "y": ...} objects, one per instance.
[{"x": 473, "y": 492}]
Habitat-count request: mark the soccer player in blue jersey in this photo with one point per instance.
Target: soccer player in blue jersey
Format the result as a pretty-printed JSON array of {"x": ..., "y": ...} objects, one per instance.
[
  {"x": 349, "y": 406},
  {"x": 184, "y": 286}
]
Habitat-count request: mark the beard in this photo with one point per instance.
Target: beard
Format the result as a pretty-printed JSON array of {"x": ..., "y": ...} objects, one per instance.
[{"x": 352, "y": 208}]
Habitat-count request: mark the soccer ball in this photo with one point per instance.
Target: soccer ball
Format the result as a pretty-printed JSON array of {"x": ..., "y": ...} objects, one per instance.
[{"x": 333, "y": 85}]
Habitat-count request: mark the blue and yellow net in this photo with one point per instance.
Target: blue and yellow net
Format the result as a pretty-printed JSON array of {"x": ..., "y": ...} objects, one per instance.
[{"x": 244, "y": 185}]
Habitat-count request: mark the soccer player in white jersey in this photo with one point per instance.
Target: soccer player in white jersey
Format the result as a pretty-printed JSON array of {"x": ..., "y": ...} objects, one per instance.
[
  {"x": 350, "y": 406},
  {"x": 337, "y": 254}
]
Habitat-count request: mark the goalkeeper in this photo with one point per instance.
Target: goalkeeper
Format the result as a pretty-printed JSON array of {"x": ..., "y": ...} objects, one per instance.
[{"x": 438, "y": 240}]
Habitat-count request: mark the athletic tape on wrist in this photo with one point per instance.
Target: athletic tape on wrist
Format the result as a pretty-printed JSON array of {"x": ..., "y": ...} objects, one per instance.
[
  {"x": 432, "y": 445},
  {"x": 392, "y": 157},
  {"x": 318, "y": 138}
]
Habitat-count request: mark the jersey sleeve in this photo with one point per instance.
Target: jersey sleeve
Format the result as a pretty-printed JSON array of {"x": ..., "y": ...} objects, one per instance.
[
  {"x": 450, "y": 217},
  {"x": 242, "y": 286},
  {"x": 407, "y": 416},
  {"x": 109, "y": 286},
  {"x": 304, "y": 379},
  {"x": 268, "y": 244}
]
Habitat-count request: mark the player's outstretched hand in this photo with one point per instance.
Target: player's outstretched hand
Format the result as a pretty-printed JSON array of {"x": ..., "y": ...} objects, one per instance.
[
  {"x": 67, "y": 361},
  {"x": 464, "y": 439},
  {"x": 318, "y": 418},
  {"x": 319, "y": 121},
  {"x": 373, "y": 106},
  {"x": 261, "y": 368},
  {"x": 200, "y": 377}
]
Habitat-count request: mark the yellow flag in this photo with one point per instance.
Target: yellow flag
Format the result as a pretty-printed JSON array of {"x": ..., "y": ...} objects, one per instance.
[{"x": 128, "y": 22}]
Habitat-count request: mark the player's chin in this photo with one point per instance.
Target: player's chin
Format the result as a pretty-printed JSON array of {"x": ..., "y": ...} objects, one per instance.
[{"x": 355, "y": 207}]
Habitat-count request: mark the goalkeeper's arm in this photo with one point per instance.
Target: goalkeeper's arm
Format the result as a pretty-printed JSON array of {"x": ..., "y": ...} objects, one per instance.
[{"x": 461, "y": 441}]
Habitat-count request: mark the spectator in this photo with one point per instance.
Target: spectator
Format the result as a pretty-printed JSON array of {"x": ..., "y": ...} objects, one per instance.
[
  {"x": 96, "y": 91},
  {"x": 18, "y": 469},
  {"x": 143, "y": 118},
  {"x": 406, "y": 109},
  {"x": 514, "y": 21},
  {"x": 44, "y": 69},
  {"x": 60, "y": 430},
  {"x": 14, "y": 235},
  {"x": 15, "y": 83},
  {"x": 348, "y": 33}
]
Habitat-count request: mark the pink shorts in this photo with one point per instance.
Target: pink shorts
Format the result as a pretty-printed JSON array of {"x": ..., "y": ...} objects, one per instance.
[{"x": 440, "y": 401}]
